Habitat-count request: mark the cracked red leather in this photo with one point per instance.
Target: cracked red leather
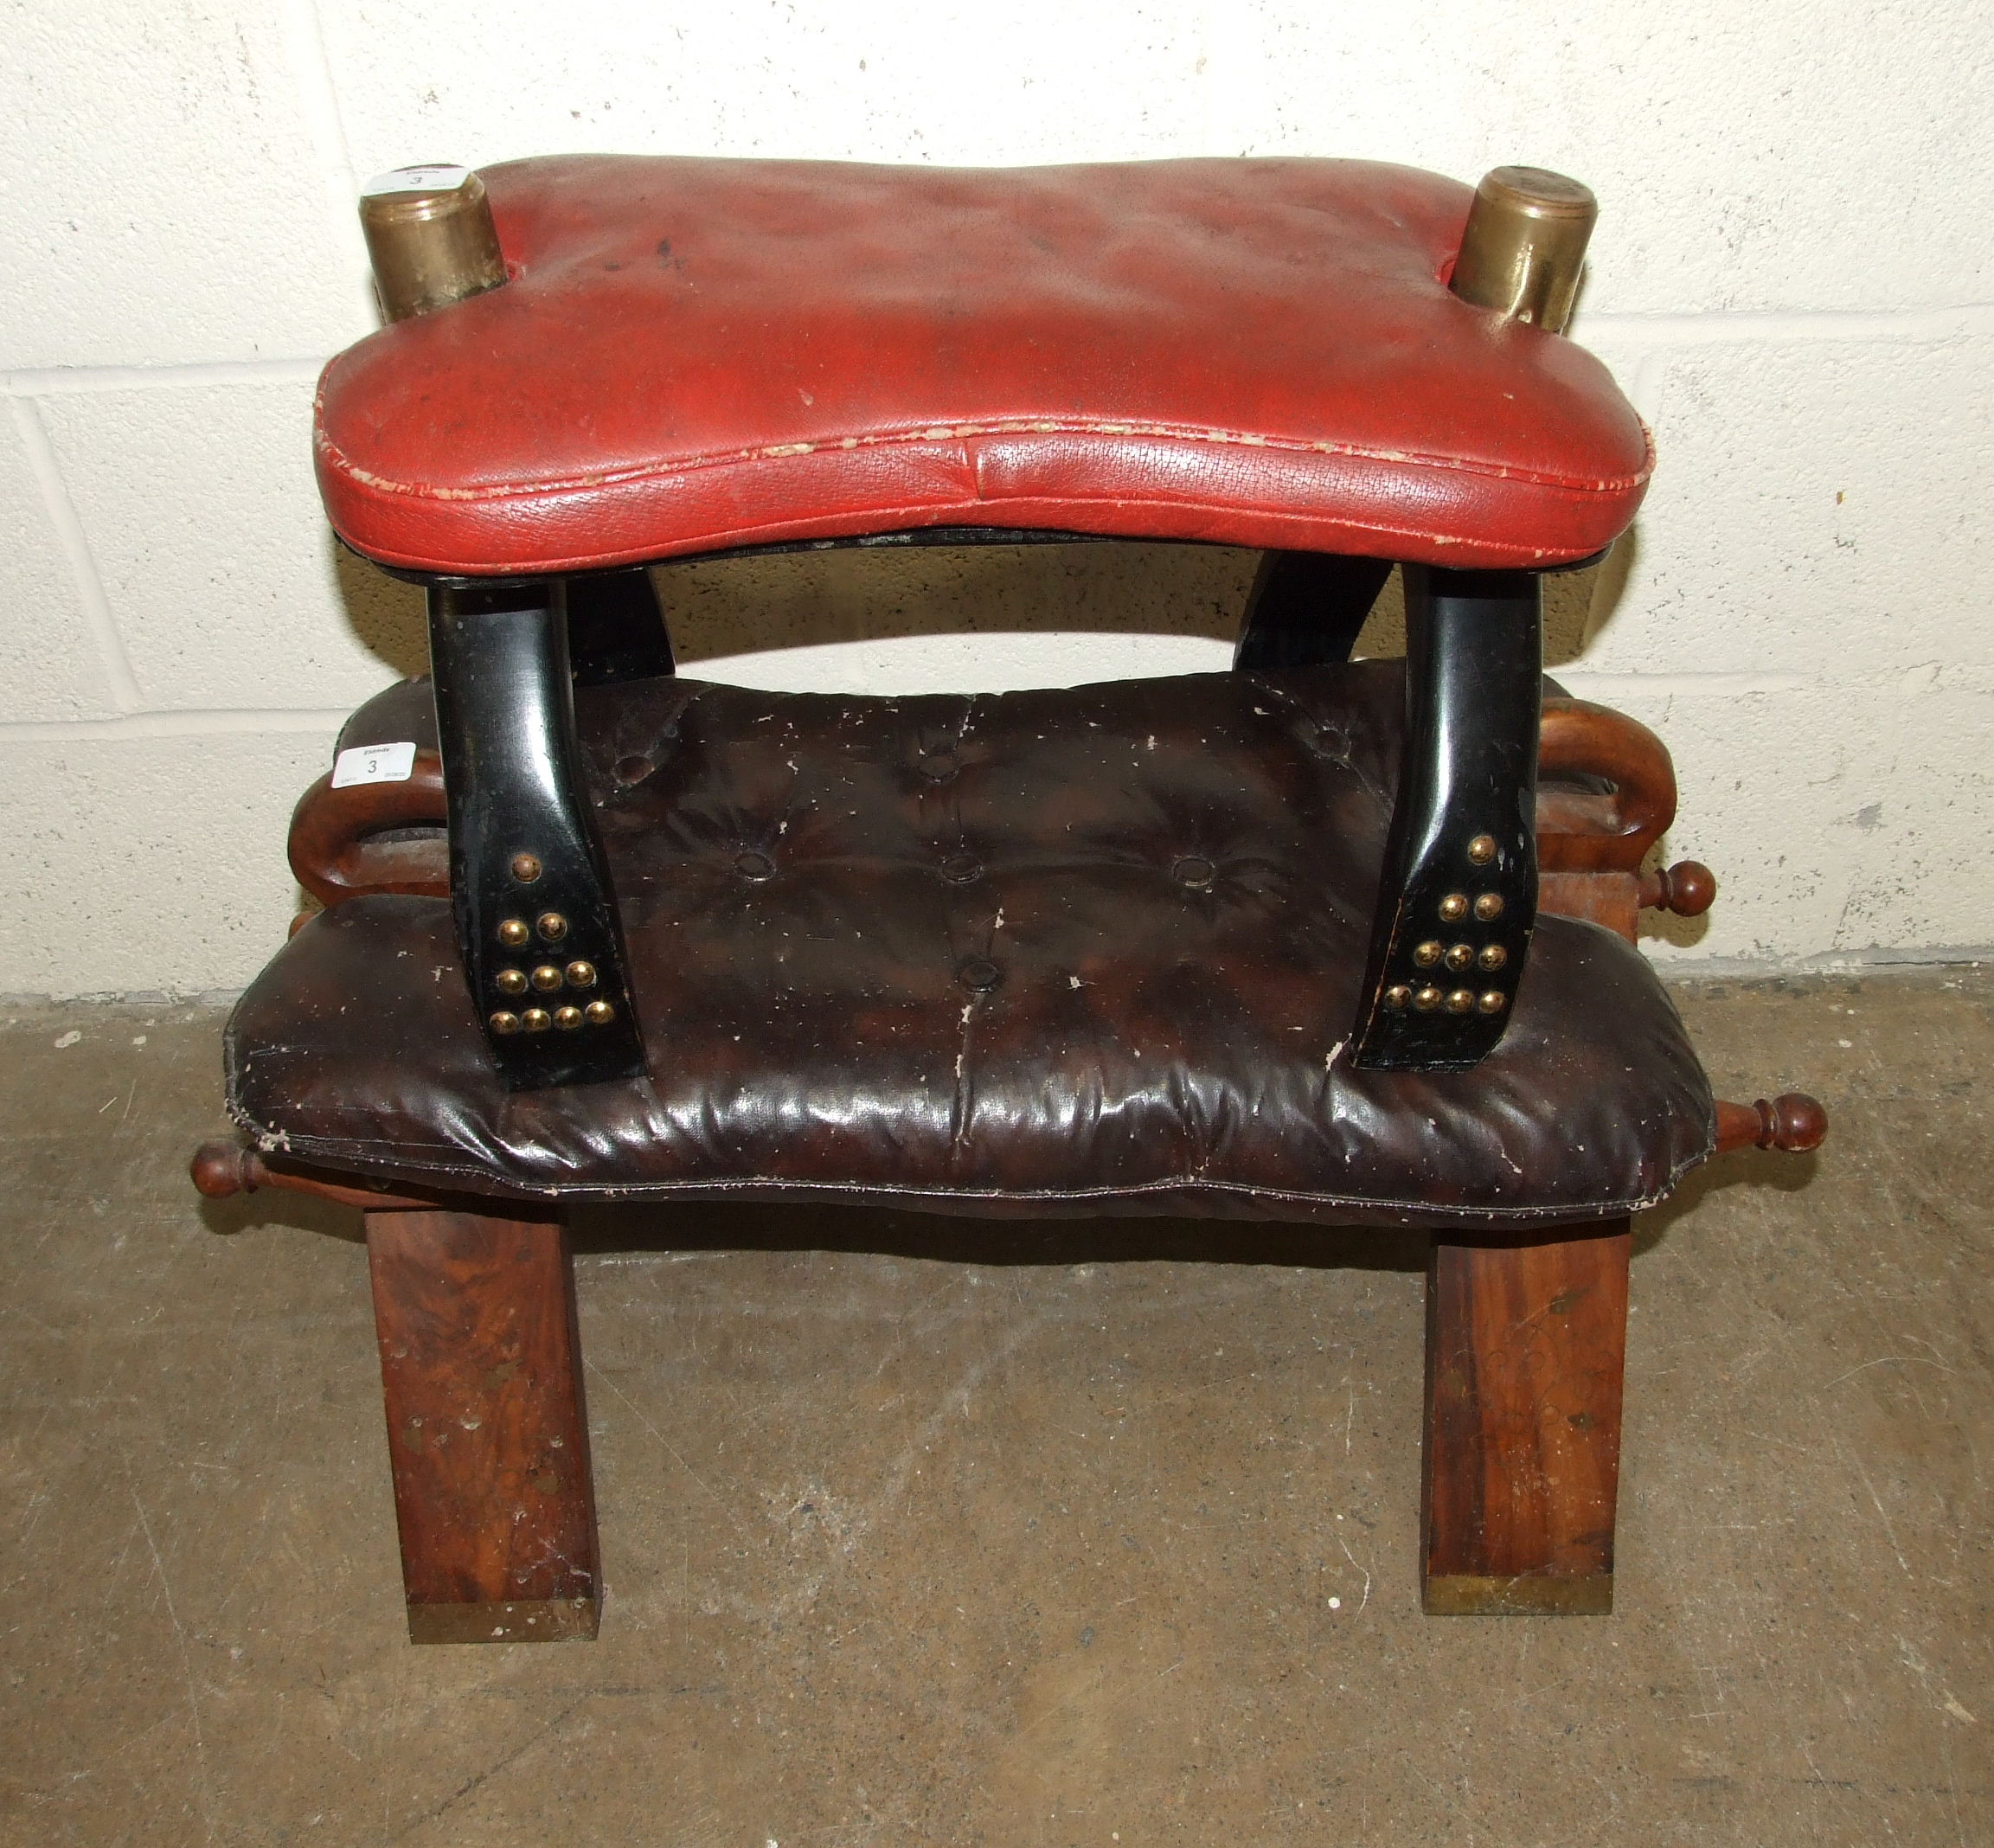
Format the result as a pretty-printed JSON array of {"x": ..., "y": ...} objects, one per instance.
[
  {"x": 1093, "y": 950},
  {"x": 698, "y": 354}
]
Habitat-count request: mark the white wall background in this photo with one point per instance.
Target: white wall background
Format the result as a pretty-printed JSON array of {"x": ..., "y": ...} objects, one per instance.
[{"x": 1791, "y": 277}]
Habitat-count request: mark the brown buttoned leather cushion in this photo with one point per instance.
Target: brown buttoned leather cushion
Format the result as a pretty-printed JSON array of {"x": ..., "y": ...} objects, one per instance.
[{"x": 1089, "y": 950}]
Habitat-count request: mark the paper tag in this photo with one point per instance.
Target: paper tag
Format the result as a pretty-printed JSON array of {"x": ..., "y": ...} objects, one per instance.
[
  {"x": 374, "y": 763},
  {"x": 416, "y": 180}
]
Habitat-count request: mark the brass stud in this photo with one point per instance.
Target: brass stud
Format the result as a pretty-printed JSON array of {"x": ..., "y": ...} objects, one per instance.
[
  {"x": 600, "y": 1013},
  {"x": 1493, "y": 956},
  {"x": 546, "y": 978},
  {"x": 1481, "y": 849},
  {"x": 1426, "y": 954},
  {"x": 1460, "y": 955},
  {"x": 525, "y": 868},
  {"x": 503, "y": 1021},
  {"x": 1453, "y": 907},
  {"x": 534, "y": 1020},
  {"x": 513, "y": 932},
  {"x": 552, "y": 925},
  {"x": 1493, "y": 1002},
  {"x": 510, "y": 981},
  {"x": 1489, "y": 907},
  {"x": 1462, "y": 1001},
  {"x": 1397, "y": 996},
  {"x": 1427, "y": 999},
  {"x": 581, "y": 975},
  {"x": 567, "y": 1018}
]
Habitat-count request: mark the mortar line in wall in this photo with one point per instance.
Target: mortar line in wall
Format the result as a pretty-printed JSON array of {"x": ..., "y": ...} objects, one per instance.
[
  {"x": 311, "y": 64},
  {"x": 1813, "y": 324},
  {"x": 1716, "y": 685},
  {"x": 189, "y": 724},
  {"x": 54, "y": 381},
  {"x": 318, "y": 91},
  {"x": 121, "y": 683},
  {"x": 1688, "y": 966}
]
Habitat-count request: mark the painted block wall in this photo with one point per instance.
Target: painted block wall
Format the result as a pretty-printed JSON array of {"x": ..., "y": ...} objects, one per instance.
[{"x": 1791, "y": 278}]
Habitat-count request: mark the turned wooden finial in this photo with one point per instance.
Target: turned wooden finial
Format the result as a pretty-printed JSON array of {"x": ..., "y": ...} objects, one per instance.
[
  {"x": 222, "y": 1169},
  {"x": 1525, "y": 245},
  {"x": 1792, "y": 1123},
  {"x": 431, "y": 238},
  {"x": 1688, "y": 889}
]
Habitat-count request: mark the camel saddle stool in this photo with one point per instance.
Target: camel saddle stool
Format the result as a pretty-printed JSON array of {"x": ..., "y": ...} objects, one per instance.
[{"x": 1342, "y": 942}]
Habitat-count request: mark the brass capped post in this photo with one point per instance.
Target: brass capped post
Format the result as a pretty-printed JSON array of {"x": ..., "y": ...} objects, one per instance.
[
  {"x": 430, "y": 237},
  {"x": 1524, "y": 245}
]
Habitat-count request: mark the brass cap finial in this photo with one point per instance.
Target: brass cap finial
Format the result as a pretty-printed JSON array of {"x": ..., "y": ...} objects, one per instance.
[
  {"x": 430, "y": 235},
  {"x": 1524, "y": 245}
]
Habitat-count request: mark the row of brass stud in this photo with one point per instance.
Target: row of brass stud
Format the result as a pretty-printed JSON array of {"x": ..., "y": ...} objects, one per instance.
[
  {"x": 538, "y": 1020},
  {"x": 546, "y": 978},
  {"x": 1487, "y": 907},
  {"x": 1426, "y": 1000},
  {"x": 1459, "y": 956},
  {"x": 515, "y": 936}
]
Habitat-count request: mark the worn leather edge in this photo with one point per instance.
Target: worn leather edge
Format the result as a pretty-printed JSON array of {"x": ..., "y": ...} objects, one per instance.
[
  {"x": 666, "y": 466},
  {"x": 1175, "y": 520},
  {"x": 1165, "y": 1199}
]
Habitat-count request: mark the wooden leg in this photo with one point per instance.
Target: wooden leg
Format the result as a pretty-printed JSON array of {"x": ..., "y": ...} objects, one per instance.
[
  {"x": 1524, "y": 1349},
  {"x": 481, "y": 1370}
]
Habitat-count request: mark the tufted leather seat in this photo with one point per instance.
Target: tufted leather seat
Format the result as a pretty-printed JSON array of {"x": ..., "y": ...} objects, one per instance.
[
  {"x": 1258, "y": 352},
  {"x": 1092, "y": 949}
]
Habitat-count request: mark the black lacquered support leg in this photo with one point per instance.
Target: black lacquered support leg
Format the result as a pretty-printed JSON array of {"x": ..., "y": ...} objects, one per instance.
[
  {"x": 542, "y": 950},
  {"x": 1459, "y": 896},
  {"x": 1307, "y": 608},
  {"x": 616, "y": 627}
]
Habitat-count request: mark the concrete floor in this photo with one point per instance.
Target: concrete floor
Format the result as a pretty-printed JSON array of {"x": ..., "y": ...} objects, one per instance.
[{"x": 932, "y": 1532}]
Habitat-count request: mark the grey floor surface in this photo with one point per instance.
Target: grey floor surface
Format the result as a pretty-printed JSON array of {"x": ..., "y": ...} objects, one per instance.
[{"x": 926, "y": 1531}]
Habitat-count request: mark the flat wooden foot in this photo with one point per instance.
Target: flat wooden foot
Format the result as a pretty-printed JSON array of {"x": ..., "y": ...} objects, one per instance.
[
  {"x": 528, "y": 1620},
  {"x": 480, "y": 1371},
  {"x": 1525, "y": 1346}
]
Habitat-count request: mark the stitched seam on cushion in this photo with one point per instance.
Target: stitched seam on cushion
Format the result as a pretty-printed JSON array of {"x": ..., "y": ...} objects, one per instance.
[
  {"x": 698, "y": 544},
  {"x": 1493, "y": 553},
  {"x": 733, "y": 535},
  {"x": 339, "y": 460},
  {"x": 301, "y": 1146}
]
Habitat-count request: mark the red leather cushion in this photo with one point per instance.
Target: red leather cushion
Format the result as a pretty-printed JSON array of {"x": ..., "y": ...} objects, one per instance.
[{"x": 699, "y": 353}]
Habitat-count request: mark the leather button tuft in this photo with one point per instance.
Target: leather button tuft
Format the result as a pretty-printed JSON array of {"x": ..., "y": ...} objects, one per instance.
[
  {"x": 961, "y": 869},
  {"x": 1195, "y": 871},
  {"x": 754, "y": 865},
  {"x": 633, "y": 769},
  {"x": 938, "y": 764},
  {"x": 979, "y": 976}
]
